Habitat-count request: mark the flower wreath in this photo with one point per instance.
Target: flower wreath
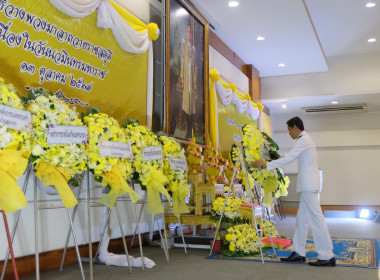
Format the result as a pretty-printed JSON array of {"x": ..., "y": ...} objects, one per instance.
[
  {"x": 110, "y": 171},
  {"x": 268, "y": 180},
  {"x": 15, "y": 148},
  {"x": 149, "y": 174},
  {"x": 55, "y": 164},
  {"x": 177, "y": 179}
]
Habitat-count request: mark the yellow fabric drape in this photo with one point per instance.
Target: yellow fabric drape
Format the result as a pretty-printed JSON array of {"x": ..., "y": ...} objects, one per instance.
[
  {"x": 179, "y": 194},
  {"x": 155, "y": 184},
  {"x": 12, "y": 166},
  {"x": 118, "y": 185},
  {"x": 135, "y": 23},
  {"x": 213, "y": 125},
  {"x": 214, "y": 77},
  {"x": 58, "y": 177}
]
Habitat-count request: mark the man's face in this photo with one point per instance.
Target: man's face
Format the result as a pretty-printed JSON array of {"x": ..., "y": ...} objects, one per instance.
[
  {"x": 293, "y": 132},
  {"x": 189, "y": 33}
]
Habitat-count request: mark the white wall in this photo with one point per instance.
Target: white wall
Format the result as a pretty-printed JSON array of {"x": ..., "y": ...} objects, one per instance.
[
  {"x": 352, "y": 74},
  {"x": 348, "y": 147},
  {"x": 228, "y": 71},
  {"x": 139, "y": 8},
  {"x": 53, "y": 224}
]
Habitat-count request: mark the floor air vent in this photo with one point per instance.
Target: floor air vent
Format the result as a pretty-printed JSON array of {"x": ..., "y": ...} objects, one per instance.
[{"x": 350, "y": 108}]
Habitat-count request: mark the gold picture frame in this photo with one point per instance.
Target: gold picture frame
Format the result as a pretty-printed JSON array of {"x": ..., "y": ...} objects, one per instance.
[{"x": 187, "y": 60}]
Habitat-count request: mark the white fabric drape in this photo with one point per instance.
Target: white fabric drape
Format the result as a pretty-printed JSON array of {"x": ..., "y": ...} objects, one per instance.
[
  {"x": 128, "y": 39},
  {"x": 114, "y": 259},
  {"x": 228, "y": 96}
]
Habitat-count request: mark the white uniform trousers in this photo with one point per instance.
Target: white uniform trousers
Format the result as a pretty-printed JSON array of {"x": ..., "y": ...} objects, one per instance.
[{"x": 310, "y": 213}]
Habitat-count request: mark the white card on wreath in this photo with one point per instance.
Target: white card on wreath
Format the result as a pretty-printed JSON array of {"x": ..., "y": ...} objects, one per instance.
[
  {"x": 66, "y": 134},
  {"x": 238, "y": 189},
  {"x": 15, "y": 118},
  {"x": 219, "y": 189},
  {"x": 152, "y": 153},
  {"x": 115, "y": 149},
  {"x": 178, "y": 164}
]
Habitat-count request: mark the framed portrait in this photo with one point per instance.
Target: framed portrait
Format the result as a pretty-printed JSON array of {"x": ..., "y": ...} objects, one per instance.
[{"x": 186, "y": 72}]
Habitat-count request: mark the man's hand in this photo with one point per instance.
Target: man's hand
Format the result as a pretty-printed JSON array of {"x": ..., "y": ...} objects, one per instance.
[{"x": 257, "y": 164}]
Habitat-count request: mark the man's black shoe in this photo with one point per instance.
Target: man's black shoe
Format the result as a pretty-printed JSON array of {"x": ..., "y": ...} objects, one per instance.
[
  {"x": 294, "y": 257},
  {"x": 330, "y": 262}
]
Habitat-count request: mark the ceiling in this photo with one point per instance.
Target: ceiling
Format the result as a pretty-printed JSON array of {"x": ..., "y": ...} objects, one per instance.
[{"x": 302, "y": 34}]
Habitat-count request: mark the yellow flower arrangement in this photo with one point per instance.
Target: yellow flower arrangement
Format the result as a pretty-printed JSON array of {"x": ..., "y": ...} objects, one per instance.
[
  {"x": 15, "y": 149},
  {"x": 240, "y": 240},
  {"x": 149, "y": 174},
  {"x": 55, "y": 164},
  {"x": 272, "y": 229},
  {"x": 177, "y": 179},
  {"x": 110, "y": 171},
  {"x": 10, "y": 138},
  {"x": 252, "y": 141},
  {"x": 231, "y": 212}
]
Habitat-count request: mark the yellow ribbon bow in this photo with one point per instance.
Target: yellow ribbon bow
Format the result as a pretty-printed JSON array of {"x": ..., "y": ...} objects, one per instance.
[
  {"x": 118, "y": 185},
  {"x": 269, "y": 186},
  {"x": 155, "y": 183},
  {"x": 179, "y": 194},
  {"x": 214, "y": 76},
  {"x": 283, "y": 191},
  {"x": 58, "y": 177},
  {"x": 12, "y": 166}
]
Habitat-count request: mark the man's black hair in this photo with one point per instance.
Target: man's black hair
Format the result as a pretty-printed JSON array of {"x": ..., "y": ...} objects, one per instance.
[{"x": 296, "y": 121}]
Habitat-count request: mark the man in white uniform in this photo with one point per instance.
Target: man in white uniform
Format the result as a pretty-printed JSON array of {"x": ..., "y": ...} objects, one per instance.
[{"x": 309, "y": 211}]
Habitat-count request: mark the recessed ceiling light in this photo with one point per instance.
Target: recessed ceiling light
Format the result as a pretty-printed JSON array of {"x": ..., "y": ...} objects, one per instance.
[
  {"x": 371, "y": 40},
  {"x": 370, "y": 4},
  {"x": 233, "y": 3},
  {"x": 284, "y": 106},
  {"x": 281, "y": 65},
  {"x": 334, "y": 102},
  {"x": 181, "y": 12},
  {"x": 260, "y": 38}
]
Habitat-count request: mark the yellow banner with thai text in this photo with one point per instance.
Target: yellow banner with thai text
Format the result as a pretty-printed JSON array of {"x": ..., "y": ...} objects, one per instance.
[
  {"x": 230, "y": 124},
  {"x": 73, "y": 58}
]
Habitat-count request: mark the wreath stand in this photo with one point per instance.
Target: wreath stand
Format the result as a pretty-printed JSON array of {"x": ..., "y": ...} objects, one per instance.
[
  {"x": 264, "y": 210},
  {"x": 37, "y": 208}
]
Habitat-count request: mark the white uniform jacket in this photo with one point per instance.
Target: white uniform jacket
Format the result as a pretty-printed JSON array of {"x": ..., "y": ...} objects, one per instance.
[{"x": 304, "y": 150}]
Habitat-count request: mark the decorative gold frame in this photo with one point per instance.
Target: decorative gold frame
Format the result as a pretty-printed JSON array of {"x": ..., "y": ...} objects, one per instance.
[{"x": 203, "y": 21}]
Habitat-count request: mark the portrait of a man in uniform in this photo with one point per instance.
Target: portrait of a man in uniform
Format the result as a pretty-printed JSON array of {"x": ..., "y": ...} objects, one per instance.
[{"x": 186, "y": 88}]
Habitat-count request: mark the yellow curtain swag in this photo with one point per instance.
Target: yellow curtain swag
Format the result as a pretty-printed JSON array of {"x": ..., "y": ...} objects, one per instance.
[
  {"x": 260, "y": 106},
  {"x": 239, "y": 94},
  {"x": 58, "y": 177},
  {"x": 116, "y": 180},
  {"x": 155, "y": 183},
  {"x": 12, "y": 166},
  {"x": 214, "y": 76},
  {"x": 135, "y": 23},
  {"x": 179, "y": 194},
  {"x": 233, "y": 86}
]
